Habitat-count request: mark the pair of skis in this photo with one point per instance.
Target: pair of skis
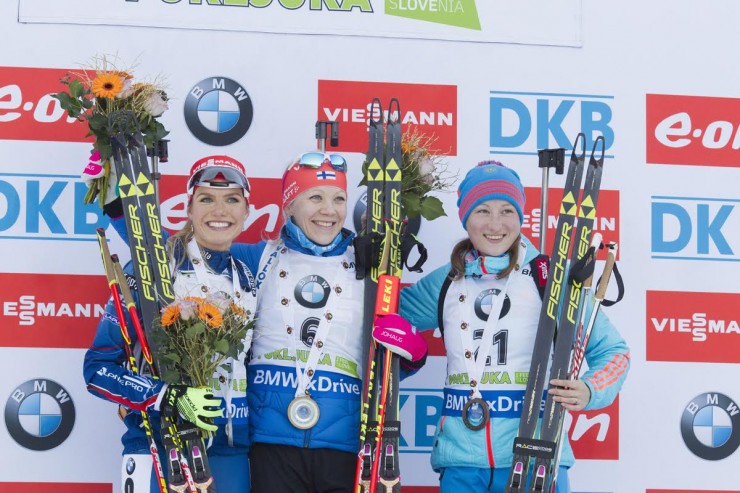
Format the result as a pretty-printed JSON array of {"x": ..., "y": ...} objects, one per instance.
[
  {"x": 567, "y": 290},
  {"x": 184, "y": 448},
  {"x": 380, "y": 427}
]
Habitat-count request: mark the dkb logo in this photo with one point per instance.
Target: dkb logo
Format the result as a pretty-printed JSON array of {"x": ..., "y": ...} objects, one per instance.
[
  {"x": 689, "y": 228},
  {"x": 523, "y": 122}
]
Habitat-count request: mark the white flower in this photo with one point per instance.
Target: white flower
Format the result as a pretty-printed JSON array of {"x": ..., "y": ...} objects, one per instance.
[
  {"x": 220, "y": 300},
  {"x": 155, "y": 104},
  {"x": 128, "y": 89},
  {"x": 426, "y": 170},
  {"x": 188, "y": 309}
]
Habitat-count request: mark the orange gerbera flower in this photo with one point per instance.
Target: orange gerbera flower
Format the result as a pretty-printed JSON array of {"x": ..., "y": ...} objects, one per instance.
[
  {"x": 107, "y": 85},
  {"x": 237, "y": 310},
  {"x": 122, "y": 74},
  {"x": 210, "y": 315},
  {"x": 170, "y": 315}
]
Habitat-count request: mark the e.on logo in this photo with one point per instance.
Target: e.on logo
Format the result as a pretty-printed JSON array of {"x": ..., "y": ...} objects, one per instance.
[
  {"x": 692, "y": 130},
  {"x": 265, "y": 217},
  {"x": 45, "y": 310},
  {"x": 606, "y": 221},
  {"x": 27, "y": 110},
  {"x": 594, "y": 434},
  {"x": 430, "y": 108},
  {"x": 693, "y": 327}
]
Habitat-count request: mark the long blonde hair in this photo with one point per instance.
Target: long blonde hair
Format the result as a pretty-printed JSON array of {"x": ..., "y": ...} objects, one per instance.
[
  {"x": 457, "y": 258},
  {"x": 177, "y": 244}
]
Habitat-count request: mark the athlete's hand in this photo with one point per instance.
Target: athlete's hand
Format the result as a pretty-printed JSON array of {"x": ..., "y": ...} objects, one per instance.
[
  {"x": 195, "y": 404},
  {"x": 574, "y": 395},
  {"x": 399, "y": 336}
]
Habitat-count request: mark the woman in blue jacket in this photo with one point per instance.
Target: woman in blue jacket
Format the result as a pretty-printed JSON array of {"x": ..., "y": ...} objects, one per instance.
[
  {"x": 486, "y": 265},
  {"x": 203, "y": 259}
]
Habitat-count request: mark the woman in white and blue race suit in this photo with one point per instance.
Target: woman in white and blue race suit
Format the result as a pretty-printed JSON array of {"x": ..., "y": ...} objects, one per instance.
[
  {"x": 203, "y": 260},
  {"x": 485, "y": 266},
  {"x": 305, "y": 372}
]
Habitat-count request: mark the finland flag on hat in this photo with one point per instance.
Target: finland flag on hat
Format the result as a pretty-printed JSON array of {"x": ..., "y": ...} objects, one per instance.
[{"x": 326, "y": 175}]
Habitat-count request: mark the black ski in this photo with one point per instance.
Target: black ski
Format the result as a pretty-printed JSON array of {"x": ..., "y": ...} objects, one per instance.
[
  {"x": 368, "y": 248},
  {"x": 569, "y": 317},
  {"x": 389, "y": 474},
  {"x": 183, "y": 442},
  {"x": 525, "y": 445}
]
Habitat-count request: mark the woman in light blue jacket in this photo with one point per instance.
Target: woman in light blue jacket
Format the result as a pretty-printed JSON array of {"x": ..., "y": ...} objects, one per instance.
[{"x": 495, "y": 259}]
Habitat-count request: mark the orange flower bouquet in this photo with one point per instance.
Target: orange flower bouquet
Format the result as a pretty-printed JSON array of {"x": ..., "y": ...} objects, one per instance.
[
  {"x": 97, "y": 91},
  {"x": 195, "y": 336},
  {"x": 423, "y": 170}
]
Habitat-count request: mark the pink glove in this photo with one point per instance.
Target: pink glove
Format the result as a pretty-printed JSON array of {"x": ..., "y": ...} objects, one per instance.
[
  {"x": 399, "y": 336},
  {"x": 94, "y": 169}
]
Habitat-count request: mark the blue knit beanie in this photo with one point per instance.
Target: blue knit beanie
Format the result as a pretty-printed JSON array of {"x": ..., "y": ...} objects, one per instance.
[{"x": 488, "y": 181}]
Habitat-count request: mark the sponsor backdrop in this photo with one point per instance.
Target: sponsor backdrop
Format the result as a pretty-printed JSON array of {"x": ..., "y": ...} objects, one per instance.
[{"x": 490, "y": 79}]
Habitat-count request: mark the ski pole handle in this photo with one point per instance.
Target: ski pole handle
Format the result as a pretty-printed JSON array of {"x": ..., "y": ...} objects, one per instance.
[{"x": 606, "y": 274}]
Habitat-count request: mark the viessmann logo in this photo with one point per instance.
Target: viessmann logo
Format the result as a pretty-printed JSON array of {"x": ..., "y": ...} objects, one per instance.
[
  {"x": 265, "y": 216},
  {"x": 606, "y": 221},
  {"x": 692, "y": 130},
  {"x": 429, "y": 107},
  {"x": 27, "y": 110},
  {"x": 47, "y": 310},
  {"x": 684, "y": 326}
]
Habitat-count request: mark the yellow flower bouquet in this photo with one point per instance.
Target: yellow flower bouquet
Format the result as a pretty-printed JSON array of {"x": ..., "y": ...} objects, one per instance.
[
  {"x": 195, "y": 336},
  {"x": 96, "y": 92}
]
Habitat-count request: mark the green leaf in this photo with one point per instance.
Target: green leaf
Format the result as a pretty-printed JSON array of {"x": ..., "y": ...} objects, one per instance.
[
  {"x": 195, "y": 330},
  {"x": 431, "y": 208},
  {"x": 221, "y": 346},
  {"x": 411, "y": 204},
  {"x": 171, "y": 376},
  {"x": 76, "y": 88}
]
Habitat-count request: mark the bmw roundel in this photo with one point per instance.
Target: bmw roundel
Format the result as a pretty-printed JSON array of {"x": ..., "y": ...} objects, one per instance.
[
  {"x": 312, "y": 291},
  {"x": 710, "y": 426},
  {"x": 484, "y": 303},
  {"x": 218, "y": 111},
  {"x": 39, "y": 414}
]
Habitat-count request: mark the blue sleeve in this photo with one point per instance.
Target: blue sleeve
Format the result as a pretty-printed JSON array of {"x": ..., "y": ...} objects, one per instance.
[
  {"x": 249, "y": 253},
  {"x": 119, "y": 224},
  {"x": 419, "y": 302},
  {"x": 608, "y": 359},
  {"x": 105, "y": 365}
]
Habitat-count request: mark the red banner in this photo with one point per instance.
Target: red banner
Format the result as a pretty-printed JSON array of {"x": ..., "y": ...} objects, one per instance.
[
  {"x": 692, "y": 130},
  {"x": 692, "y": 327},
  {"x": 29, "y": 112},
  {"x": 431, "y": 108}
]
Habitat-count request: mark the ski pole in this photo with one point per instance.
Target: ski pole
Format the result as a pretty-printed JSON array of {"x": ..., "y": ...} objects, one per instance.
[
  {"x": 113, "y": 285},
  {"x": 181, "y": 477},
  {"x": 581, "y": 341},
  {"x": 548, "y": 158}
]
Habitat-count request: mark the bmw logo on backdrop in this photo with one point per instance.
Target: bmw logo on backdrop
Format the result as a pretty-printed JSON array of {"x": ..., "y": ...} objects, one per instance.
[
  {"x": 218, "y": 111},
  {"x": 710, "y": 426},
  {"x": 39, "y": 414}
]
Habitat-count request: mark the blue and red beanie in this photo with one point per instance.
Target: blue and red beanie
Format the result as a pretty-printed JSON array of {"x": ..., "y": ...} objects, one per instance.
[{"x": 488, "y": 181}]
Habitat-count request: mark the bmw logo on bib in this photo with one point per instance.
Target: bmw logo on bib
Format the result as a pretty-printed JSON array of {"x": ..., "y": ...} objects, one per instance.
[{"x": 312, "y": 292}]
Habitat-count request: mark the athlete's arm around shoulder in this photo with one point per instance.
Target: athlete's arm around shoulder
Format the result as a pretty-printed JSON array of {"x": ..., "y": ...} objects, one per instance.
[
  {"x": 419, "y": 301},
  {"x": 608, "y": 359},
  {"x": 249, "y": 253}
]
